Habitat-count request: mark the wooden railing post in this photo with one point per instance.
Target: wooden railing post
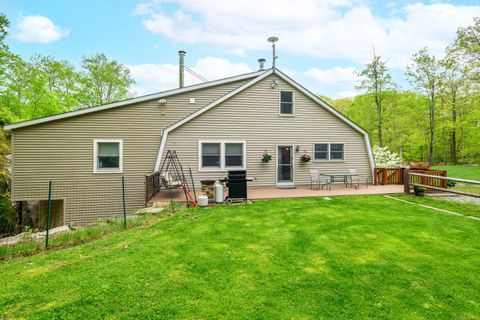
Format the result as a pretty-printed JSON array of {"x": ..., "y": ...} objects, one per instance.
[{"x": 406, "y": 180}]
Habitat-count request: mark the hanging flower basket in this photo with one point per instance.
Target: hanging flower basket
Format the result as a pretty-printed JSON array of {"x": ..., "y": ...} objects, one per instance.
[
  {"x": 266, "y": 157},
  {"x": 305, "y": 158}
]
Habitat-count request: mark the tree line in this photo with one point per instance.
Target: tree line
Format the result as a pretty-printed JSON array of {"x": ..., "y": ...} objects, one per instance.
[
  {"x": 43, "y": 86},
  {"x": 438, "y": 121}
]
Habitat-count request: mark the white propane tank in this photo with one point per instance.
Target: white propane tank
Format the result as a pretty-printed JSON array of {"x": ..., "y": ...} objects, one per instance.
[
  {"x": 202, "y": 201},
  {"x": 218, "y": 192}
]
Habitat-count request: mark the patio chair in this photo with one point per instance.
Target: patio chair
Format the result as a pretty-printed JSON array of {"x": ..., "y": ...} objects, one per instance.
[
  {"x": 353, "y": 181},
  {"x": 366, "y": 180},
  {"x": 314, "y": 179},
  {"x": 317, "y": 179}
]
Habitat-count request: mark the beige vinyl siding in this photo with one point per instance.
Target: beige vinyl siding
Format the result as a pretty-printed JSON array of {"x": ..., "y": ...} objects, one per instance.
[
  {"x": 62, "y": 151},
  {"x": 253, "y": 116}
]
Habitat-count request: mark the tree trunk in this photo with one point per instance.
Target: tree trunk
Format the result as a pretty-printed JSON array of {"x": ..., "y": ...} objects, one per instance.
[
  {"x": 432, "y": 127},
  {"x": 379, "y": 121},
  {"x": 453, "y": 148}
]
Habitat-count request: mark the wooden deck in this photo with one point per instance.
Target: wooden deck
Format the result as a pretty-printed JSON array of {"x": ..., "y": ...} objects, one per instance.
[{"x": 256, "y": 193}]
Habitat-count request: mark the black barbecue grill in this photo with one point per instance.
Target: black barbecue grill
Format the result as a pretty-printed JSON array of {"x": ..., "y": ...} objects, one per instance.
[{"x": 237, "y": 185}]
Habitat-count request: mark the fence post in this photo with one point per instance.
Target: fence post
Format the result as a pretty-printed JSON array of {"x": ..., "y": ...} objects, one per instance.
[
  {"x": 406, "y": 180},
  {"x": 20, "y": 214},
  {"x": 123, "y": 199},
  {"x": 48, "y": 212}
]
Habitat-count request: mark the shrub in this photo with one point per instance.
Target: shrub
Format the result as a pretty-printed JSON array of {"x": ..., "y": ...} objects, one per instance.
[{"x": 385, "y": 158}]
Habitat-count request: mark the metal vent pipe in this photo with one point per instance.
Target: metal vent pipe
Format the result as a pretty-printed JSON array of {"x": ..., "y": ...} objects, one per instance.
[{"x": 181, "y": 68}]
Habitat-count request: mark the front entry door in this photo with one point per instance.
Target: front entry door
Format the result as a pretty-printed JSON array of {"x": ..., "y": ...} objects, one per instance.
[{"x": 285, "y": 165}]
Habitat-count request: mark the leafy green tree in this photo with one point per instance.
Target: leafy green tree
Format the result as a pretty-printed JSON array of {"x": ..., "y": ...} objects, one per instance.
[
  {"x": 426, "y": 75},
  {"x": 377, "y": 82},
  {"x": 452, "y": 86},
  {"x": 7, "y": 216},
  {"x": 103, "y": 80},
  {"x": 467, "y": 47},
  {"x": 61, "y": 80}
]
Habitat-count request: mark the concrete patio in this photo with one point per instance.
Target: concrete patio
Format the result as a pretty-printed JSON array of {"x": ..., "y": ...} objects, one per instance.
[{"x": 256, "y": 193}]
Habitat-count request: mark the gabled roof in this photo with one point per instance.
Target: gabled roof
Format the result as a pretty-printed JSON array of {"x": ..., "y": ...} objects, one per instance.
[
  {"x": 263, "y": 75},
  {"x": 126, "y": 102}
]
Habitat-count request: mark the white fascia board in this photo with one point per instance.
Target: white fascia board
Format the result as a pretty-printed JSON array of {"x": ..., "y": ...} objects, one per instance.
[
  {"x": 201, "y": 111},
  {"x": 334, "y": 112},
  {"x": 133, "y": 100}
]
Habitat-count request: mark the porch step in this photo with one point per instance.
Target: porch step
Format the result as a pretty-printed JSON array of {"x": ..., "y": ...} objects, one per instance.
[{"x": 286, "y": 187}]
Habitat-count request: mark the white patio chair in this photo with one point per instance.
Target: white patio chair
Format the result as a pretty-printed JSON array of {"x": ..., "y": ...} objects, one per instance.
[
  {"x": 314, "y": 179},
  {"x": 353, "y": 181}
]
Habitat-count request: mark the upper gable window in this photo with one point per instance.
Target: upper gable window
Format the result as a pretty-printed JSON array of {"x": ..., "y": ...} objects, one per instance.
[{"x": 286, "y": 103}]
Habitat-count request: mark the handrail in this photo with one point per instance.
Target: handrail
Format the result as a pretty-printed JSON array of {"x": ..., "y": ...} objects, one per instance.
[
  {"x": 152, "y": 185},
  {"x": 447, "y": 190},
  {"x": 436, "y": 182},
  {"x": 445, "y": 178}
]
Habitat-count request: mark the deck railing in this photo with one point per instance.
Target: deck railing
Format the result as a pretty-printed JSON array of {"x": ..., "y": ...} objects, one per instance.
[
  {"x": 152, "y": 185},
  {"x": 436, "y": 182},
  {"x": 428, "y": 177},
  {"x": 388, "y": 176}
]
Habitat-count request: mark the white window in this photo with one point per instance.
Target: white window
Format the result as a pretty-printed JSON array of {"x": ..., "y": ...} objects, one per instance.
[
  {"x": 286, "y": 103},
  {"x": 211, "y": 155},
  {"x": 108, "y": 156},
  {"x": 234, "y": 155},
  {"x": 336, "y": 151},
  {"x": 221, "y": 155},
  {"x": 329, "y": 151},
  {"x": 321, "y": 151}
]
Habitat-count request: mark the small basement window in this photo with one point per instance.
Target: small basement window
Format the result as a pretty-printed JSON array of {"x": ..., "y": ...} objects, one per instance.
[
  {"x": 286, "y": 103},
  {"x": 108, "y": 156}
]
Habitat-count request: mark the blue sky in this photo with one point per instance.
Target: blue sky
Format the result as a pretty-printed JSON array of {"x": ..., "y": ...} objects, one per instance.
[{"x": 321, "y": 42}]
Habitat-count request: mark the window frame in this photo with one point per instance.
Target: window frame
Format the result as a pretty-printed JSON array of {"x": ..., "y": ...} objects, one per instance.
[
  {"x": 280, "y": 104},
  {"x": 328, "y": 152},
  {"x": 96, "y": 169},
  {"x": 222, "y": 166}
]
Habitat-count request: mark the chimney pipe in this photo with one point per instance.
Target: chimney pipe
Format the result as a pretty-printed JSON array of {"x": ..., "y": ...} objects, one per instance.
[
  {"x": 261, "y": 64},
  {"x": 181, "y": 68}
]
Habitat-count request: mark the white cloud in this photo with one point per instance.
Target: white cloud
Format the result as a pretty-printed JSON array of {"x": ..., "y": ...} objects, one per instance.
[
  {"x": 39, "y": 29},
  {"x": 323, "y": 29},
  {"x": 333, "y": 76},
  {"x": 337, "y": 79},
  {"x": 346, "y": 94},
  {"x": 152, "y": 78}
]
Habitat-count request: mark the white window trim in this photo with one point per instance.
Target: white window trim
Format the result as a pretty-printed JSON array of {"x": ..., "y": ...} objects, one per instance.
[
  {"x": 95, "y": 156},
  {"x": 222, "y": 167},
  {"x": 328, "y": 152},
  {"x": 280, "y": 104}
]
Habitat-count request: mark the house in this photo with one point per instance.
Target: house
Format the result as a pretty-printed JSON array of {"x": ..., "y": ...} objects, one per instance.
[{"x": 213, "y": 126}]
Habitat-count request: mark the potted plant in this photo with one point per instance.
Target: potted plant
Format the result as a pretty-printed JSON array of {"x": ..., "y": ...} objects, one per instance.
[
  {"x": 266, "y": 157},
  {"x": 305, "y": 157},
  {"x": 419, "y": 191}
]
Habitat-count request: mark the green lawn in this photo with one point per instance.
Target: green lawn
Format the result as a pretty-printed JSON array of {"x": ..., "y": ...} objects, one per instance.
[
  {"x": 349, "y": 257},
  {"x": 462, "y": 172}
]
